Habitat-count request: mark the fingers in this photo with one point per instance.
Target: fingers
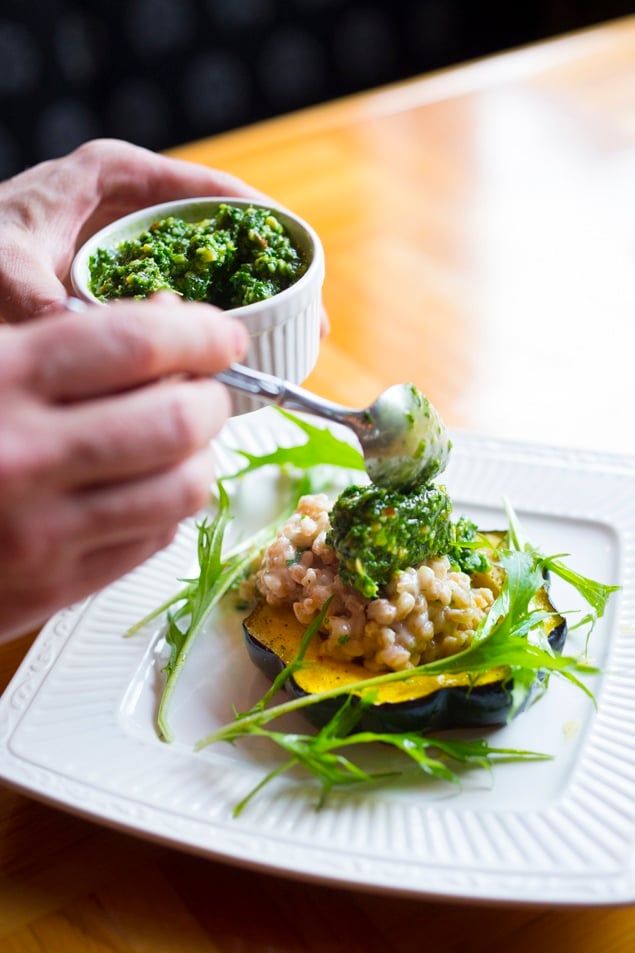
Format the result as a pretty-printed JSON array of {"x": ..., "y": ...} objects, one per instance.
[
  {"x": 137, "y": 433},
  {"x": 109, "y": 516},
  {"x": 325, "y": 324},
  {"x": 61, "y": 549},
  {"x": 51, "y": 451},
  {"x": 30, "y": 602},
  {"x": 106, "y": 350},
  {"x": 110, "y": 394},
  {"x": 105, "y": 515},
  {"x": 104, "y": 565},
  {"x": 90, "y": 487},
  {"x": 129, "y": 177},
  {"x": 29, "y": 285}
]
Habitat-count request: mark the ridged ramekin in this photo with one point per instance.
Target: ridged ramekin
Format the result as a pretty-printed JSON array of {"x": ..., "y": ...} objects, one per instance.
[{"x": 284, "y": 330}]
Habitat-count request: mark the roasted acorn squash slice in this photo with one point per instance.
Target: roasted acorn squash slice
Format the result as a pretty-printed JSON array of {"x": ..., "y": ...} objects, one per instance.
[{"x": 420, "y": 703}]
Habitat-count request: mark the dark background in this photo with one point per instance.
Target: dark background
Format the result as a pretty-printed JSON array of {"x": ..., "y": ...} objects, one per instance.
[{"x": 162, "y": 72}]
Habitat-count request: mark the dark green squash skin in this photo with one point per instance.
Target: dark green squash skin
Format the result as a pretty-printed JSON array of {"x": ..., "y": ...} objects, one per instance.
[
  {"x": 449, "y": 707},
  {"x": 453, "y": 707}
]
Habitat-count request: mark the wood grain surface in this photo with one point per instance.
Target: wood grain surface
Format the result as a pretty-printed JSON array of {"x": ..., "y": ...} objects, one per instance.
[{"x": 479, "y": 231}]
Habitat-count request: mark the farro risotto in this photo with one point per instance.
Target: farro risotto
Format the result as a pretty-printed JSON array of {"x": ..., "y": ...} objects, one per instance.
[{"x": 424, "y": 613}]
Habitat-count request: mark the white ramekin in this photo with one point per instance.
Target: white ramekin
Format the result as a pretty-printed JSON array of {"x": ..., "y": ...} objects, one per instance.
[{"x": 284, "y": 330}]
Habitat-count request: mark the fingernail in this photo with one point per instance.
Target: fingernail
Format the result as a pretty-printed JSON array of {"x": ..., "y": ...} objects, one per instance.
[
  {"x": 240, "y": 339},
  {"x": 166, "y": 297},
  {"x": 73, "y": 304}
]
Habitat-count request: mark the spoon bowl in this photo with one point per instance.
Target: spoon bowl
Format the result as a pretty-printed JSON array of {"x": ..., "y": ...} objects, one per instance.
[{"x": 403, "y": 439}]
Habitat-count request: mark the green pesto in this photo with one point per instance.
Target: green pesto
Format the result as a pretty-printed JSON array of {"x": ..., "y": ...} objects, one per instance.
[
  {"x": 376, "y": 531},
  {"x": 421, "y": 449},
  {"x": 238, "y": 256}
]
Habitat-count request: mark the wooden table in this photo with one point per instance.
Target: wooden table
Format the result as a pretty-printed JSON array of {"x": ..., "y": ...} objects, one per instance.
[{"x": 479, "y": 231}]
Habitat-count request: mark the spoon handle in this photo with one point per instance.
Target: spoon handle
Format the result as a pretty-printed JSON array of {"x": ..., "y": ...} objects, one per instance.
[{"x": 274, "y": 390}]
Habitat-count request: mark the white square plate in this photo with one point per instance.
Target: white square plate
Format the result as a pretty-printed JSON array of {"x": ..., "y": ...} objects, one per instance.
[{"x": 77, "y": 721}]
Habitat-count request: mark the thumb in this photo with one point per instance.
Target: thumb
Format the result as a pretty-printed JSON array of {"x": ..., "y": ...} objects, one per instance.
[{"x": 29, "y": 287}]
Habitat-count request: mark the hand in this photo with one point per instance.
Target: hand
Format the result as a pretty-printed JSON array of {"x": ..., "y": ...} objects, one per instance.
[
  {"x": 105, "y": 416},
  {"x": 49, "y": 210},
  {"x": 104, "y": 443}
]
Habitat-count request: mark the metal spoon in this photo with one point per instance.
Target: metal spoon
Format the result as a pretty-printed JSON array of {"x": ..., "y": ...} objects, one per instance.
[
  {"x": 402, "y": 437},
  {"x": 401, "y": 434}
]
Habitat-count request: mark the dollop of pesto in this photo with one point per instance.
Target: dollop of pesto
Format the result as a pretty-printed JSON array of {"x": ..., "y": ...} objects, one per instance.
[
  {"x": 238, "y": 256},
  {"x": 376, "y": 531}
]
